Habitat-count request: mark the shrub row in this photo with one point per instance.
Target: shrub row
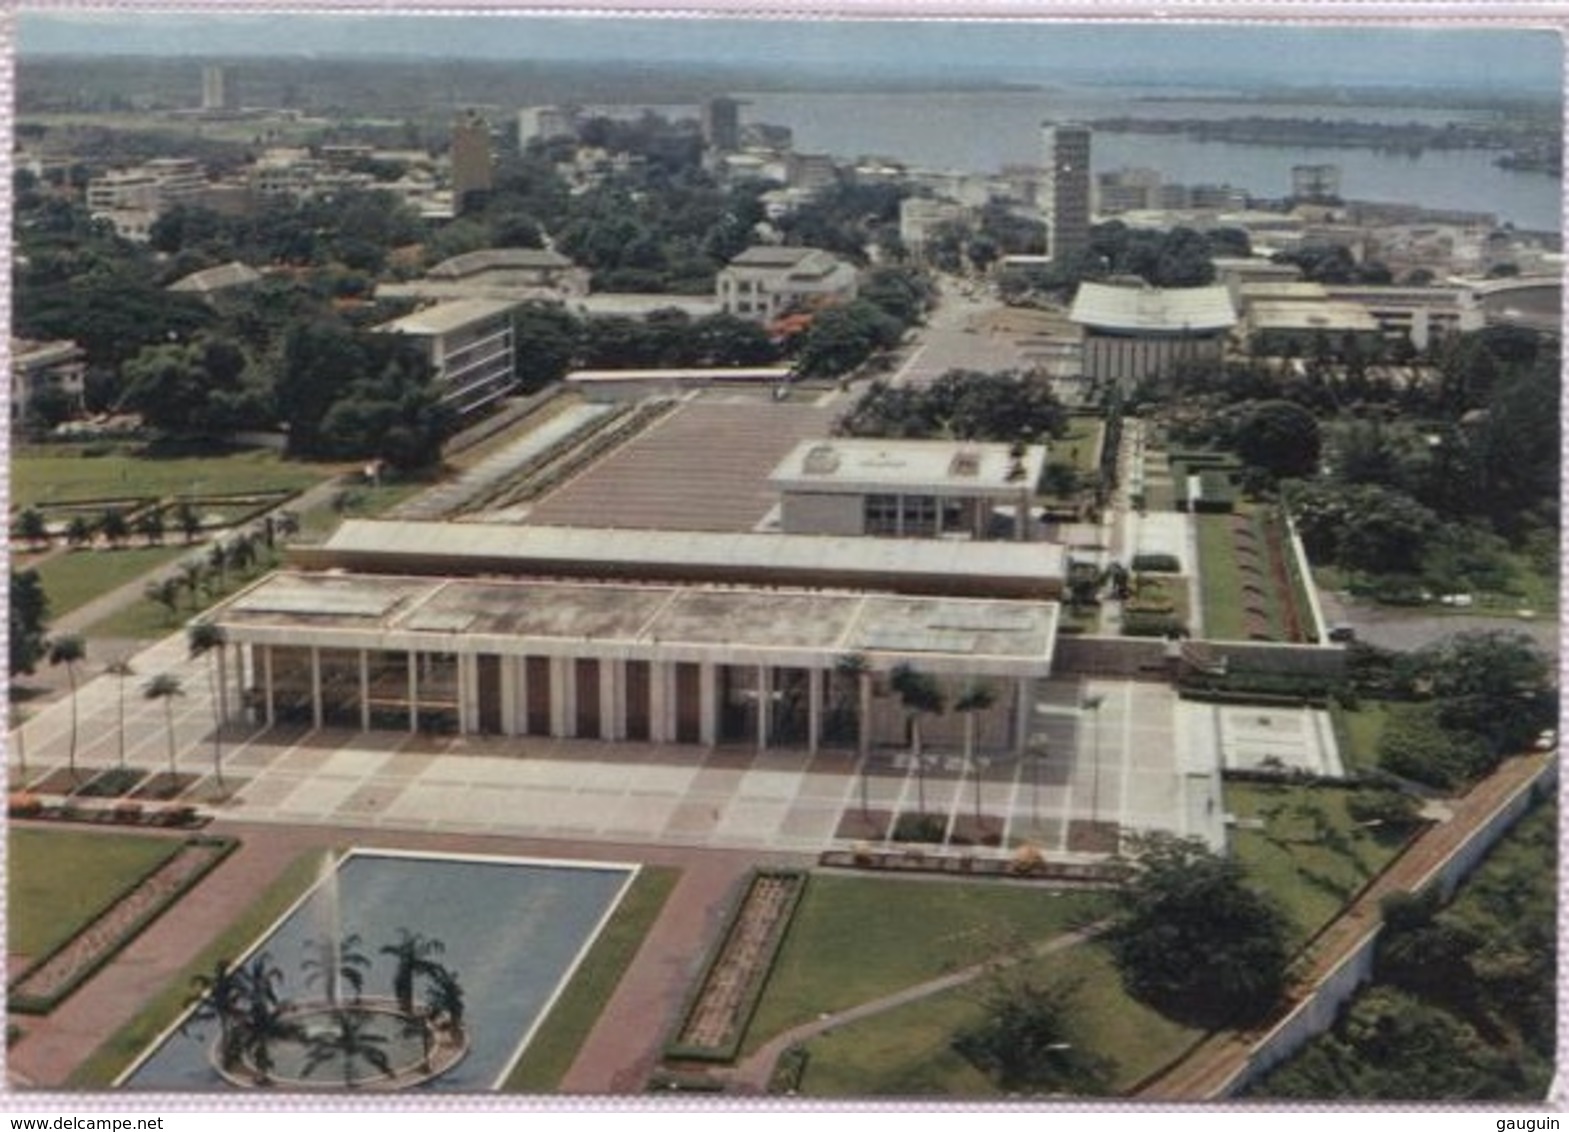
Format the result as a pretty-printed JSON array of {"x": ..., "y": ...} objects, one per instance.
[
  {"x": 1156, "y": 564},
  {"x": 1137, "y": 624}
]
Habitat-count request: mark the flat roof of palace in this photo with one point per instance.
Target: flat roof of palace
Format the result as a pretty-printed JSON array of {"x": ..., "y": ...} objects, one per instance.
[
  {"x": 857, "y": 464},
  {"x": 856, "y": 559},
  {"x": 663, "y": 622}
]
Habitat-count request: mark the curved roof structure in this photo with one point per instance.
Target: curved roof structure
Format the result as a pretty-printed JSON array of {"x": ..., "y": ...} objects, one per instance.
[{"x": 1153, "y": 310}]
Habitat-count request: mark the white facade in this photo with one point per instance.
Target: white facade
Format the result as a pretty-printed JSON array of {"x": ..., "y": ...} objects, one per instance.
[
  {"x": 470, "y": 347},
  {"x": 765, "y": 282}
]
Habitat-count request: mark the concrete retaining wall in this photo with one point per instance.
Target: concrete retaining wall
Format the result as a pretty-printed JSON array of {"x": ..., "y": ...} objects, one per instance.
[{"x": 1317, "y": 1013}]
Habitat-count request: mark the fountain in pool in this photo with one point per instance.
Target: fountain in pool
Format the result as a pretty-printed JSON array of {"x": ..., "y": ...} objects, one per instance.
[{"x": 336, "y": 1041}]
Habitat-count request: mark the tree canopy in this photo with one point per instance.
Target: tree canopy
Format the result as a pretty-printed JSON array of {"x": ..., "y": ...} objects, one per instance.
[
  {"x": 962, "y": 405},
  {"x": 1193, "y": 939}
]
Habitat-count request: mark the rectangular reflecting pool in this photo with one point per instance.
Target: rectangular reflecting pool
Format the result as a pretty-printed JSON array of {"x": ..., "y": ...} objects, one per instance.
[{"x": 512, "y": 931}]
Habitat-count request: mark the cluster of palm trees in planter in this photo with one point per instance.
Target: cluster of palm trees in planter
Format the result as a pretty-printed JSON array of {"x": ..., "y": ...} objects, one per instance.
[
  {"x": 203, "y": 639},
  {"x": 265, "y": 1039},
  {"x": 920, "y": 695}
]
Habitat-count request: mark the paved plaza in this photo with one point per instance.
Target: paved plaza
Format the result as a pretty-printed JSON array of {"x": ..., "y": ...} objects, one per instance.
[{"x": 1128, "y": 762}]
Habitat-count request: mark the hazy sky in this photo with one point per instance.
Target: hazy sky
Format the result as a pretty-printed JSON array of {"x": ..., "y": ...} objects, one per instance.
[{"x": 1503, "y": 59}]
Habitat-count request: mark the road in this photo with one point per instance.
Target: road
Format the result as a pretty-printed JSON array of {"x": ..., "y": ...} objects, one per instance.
[
  {"x": 953, "y": 338},
  {"x": 1404, "y": 629}
]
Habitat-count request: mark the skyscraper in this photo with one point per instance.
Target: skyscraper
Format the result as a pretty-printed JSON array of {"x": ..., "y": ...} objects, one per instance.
[
  {"x": 472, "y": 171},
  {"x": 215, "y": 89},
  {"x": 1065, "y": 188},
  {"x": 722, "y": 124}
]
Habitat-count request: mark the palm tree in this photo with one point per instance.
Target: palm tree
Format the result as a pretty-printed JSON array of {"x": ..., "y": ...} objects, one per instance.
[
  {"x": 190, "y": 522},
  {"x": 79, "y": 531},
  {"x": 266, "y": 1018},
  {"x": 32, "y": 526},
  {"x": 975, "y": 698},
  {"x": 120, "y": 669},
  {"x": 333, "y": 963},
  {"x": 69, "y": 650},
  {"x": 165, "y": 686},
  {"x": 166, "y": 592},
  {"x": 207, "y": 639},
  {"x": 223, "y": 997},
  {"x": 444, "y": 1001},
  {"x": 351, "y": 1042},
  {"x": 412, "y": 954},
  {"x": 115, "y": 527},
  {"x": 192, "y": 572},
  {"x": 149, "y": 524},
  {"x": 919, "y": 695}
]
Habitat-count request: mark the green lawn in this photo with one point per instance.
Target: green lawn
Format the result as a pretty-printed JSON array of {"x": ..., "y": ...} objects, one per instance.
[
  {"x": 359, "y": 501},
  {"x": 854, "y": 939},
  {"x": 57, "y": 881},
  {"x": 1310, "y": 854},
  {"x": 1080, "y": 443},
  {"x": 1220, "y": 579},
  {"x": 908, "y": 1051},
  {"x": 45, "y": 475},
  {"x": 75, "y": 577},
  {"x": 1359, "y": 731},
  {"x": 554, "y": 1046},
  {"x": 117, "y": 1052},
  {"x": 145, "y": 619}
]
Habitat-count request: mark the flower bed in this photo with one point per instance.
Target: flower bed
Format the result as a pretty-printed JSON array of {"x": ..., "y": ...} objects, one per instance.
[
  {"x": 726, "y": 995},
  {"x": 55, "y": 975}
]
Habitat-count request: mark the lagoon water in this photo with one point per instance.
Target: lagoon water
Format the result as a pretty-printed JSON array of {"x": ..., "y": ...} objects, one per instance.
[{"x": 980, "y": 131}]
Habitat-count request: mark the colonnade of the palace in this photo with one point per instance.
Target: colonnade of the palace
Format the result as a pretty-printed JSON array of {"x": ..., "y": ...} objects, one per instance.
[{"x": 704, "y": 702}]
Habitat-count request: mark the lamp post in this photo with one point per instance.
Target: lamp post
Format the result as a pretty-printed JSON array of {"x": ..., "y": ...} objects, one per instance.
[{"x": 1092, "y": 704}]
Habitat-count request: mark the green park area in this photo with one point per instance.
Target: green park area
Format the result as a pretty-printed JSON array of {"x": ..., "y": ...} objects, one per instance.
[
  {"x": 57, "y": 881},
  {"x": 855, "y": 940},
  {"x": 47, "y": 476},
  {"x": 908, "y": 1051},
  {"x": 73, "y": 578},
  {"x": 1302, "y": 845}
]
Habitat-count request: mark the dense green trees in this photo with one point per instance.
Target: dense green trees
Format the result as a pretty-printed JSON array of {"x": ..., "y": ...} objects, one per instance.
[
  {"x": 1462, "y": 1007},
  {"x": 1280, "y": 437},
  {"x": 28, "y": 634},
  {"x": 1193, "y": 939},
  {"x": 1028, "y": 1042},
  {"x": 963, "y": 405}
]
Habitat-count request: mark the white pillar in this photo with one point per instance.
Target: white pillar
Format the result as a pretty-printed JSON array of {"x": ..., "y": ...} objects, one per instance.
[
  {"x": 814, "y": 708},
  {"x": 563, "y": 697},
  {"x": 413, "y": 692},
  {"x": 364, "y": 690},
  {"x": 661, "y": 682},
  {"x": 511, "y": 678},
  {"x": 316, "y": 687},
  {"x": 707, "y": 704},
  {"x": 468, "y": 693},
  {"x": 612, "y": 720},
  {"x": 267, "y": 690}
]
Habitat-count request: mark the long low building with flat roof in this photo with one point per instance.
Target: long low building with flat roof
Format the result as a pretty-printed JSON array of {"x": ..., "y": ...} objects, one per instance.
[
  {"x": 950, "y": 567},
  {"x": 678, "y": 664}
]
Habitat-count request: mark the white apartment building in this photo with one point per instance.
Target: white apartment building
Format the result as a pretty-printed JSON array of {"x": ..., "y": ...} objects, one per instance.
[{"x": 470, "y": 346}]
